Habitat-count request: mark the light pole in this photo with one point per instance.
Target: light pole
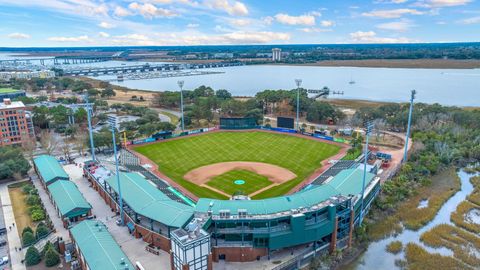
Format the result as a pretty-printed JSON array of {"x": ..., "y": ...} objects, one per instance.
[
  {"x": 180, "y": 84},
  {"x": 298, "y": 82},
  {"x": 408, "y": 126},
  {"x": 368, "y": 129},
  {"x": 89, "y": 108},
  {"x": 113, "y": 123}
]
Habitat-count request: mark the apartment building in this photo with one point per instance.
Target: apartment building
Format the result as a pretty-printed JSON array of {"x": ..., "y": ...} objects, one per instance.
[{"x": 15, "y": 123}]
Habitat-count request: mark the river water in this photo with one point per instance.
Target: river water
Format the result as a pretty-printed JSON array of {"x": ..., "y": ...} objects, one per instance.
[{"x": 376, "y": 256}]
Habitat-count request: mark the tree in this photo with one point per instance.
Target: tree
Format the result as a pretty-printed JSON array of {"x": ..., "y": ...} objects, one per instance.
[
  {"x": 51, "y": 257},
  {"x": 107, "y": 92},
  {"x": 223, "y": 94},
  {"x": 48, "y": 141},
  {"x": 41, "y": 230},
  {"x": 27, "y": 229},
  {"x": 32, "y": 257},
  {"x": 12, "y": 162},
  {"x": 28, "y": 239}
]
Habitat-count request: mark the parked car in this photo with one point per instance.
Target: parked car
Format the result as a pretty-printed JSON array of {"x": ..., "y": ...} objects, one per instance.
[{"x": 4, "y": 260}]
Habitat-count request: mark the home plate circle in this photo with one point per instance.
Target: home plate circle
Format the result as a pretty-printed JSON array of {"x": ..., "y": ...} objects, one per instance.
[{"x": 239, "y": 182}]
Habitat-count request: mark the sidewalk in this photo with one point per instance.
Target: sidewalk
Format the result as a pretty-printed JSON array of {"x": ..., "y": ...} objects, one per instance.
[
  {"x": 16, "y": 257},
  {"x": 52, "y": 212}
]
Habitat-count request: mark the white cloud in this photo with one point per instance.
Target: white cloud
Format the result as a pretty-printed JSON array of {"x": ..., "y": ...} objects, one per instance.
[
  {"x": 150, "y": 11},
  {"x": 371, "y": 37},
  {"x": 268, "y": 20},
  {"x": 400, "y": 26},
  {"x": 193, "y": 25},
  {"x": 315, "y": 30},
  {"x": 121, "y": 12},
  {"x": 315, "y": 13},
  {"x": 391, "y": 1},
  {"x": 295, "y": 20},
  {"x": 103, "y": 34},
  {"x": 106, "y": 25},
  {"x": 441, "y": 3},
  {"x": 240, "y": 22},
  {"x": 18, "y": 36},
  {"x": 71, "y": 39},
  {"x": 472, "y": 20},
  {"x": 392, "y": 13},
  {"x": 327, "y": 23},
  {"x": 231, "y": 7}
]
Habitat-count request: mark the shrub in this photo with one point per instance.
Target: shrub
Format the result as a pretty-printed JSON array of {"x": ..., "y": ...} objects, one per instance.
[
  {"x": 26, "y": 189},
  {"x": 41, "y": 230},
  {"x": 27, "y": 229},
  {"x": 33, "y": 200},
  {"x": 51, "y": 257},
  {"x": 38, "y": 215},
  {"x": 47, "y": 246},
  {"x": 32, "y": 257},
  {"x": 34, "y": 208},
  {"x": 28, "y": 238}
]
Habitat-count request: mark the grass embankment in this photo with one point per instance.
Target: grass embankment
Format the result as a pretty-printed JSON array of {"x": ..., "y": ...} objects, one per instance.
[
  {"x": 20, "y": 207},
  {"x": 419, "y": 259},
  {"x": 459, "y": 241},
  {"x": 395, "y": 247},
  {"x": 173, "y": 118},
  {"x": 352, "y": 156},
  {"x": 443, "y": 186},
  {"x": 177, "y": 157},
  {"x": 253, "y": 182},
  {"x": 459, "y": 217}
]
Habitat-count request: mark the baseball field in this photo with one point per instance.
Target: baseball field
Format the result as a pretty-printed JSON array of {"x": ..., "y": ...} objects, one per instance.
[{"x": 255, "y": 163}]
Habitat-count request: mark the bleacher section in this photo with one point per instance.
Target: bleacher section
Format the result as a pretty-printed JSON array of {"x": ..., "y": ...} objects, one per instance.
[{"x": 334, "y": 170}]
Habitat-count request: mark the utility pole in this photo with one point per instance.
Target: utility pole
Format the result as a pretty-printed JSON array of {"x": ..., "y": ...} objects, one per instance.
[
  {"x": 368, "y": 129},
  {"x": 298, "y": 82},
  {"x": 113, "y": 123},
  {"x": 180, "y": 84},
  {"x": 412, "y": 97}
]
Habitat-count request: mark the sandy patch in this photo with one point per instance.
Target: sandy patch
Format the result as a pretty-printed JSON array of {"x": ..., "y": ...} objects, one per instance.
[{"x": 274, "y": 173}]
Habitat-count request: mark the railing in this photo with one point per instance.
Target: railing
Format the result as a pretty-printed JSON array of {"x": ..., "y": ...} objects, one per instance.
[{"x": 246, "y": 229}]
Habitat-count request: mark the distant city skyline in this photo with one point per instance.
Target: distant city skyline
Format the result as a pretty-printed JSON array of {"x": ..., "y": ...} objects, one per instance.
[{"x": 63, "y": 23}]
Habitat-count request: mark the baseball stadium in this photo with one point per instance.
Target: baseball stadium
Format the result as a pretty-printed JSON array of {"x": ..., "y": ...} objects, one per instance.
[{"x": 238, "y": 194}]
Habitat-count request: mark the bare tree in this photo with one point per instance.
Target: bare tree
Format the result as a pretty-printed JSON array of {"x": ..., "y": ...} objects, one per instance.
[
  {"x": 48, "y": 141},
  {"x": 80, "y": 141},
  {"x": 29, "y": 144},
  {"x": 66, "y": 150}
]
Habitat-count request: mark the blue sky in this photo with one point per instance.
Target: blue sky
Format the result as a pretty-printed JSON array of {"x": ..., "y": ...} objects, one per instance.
[{"x": 27, "y": 23}]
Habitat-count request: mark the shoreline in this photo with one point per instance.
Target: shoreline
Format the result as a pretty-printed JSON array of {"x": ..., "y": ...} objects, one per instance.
[{"x": 394, "y": 63}]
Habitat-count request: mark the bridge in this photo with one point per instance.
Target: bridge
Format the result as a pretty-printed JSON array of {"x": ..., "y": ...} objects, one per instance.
[
  {"x": 57, "y": 60},
  {"x": 98, "y": 71}
]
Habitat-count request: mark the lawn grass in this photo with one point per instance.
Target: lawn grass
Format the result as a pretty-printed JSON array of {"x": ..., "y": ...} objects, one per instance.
[
  {"x": 352, "y": 156},
  {"x": 173, "y": 118},
  {"x": 20, "y": 207},
  {"x": 299, "y": 155},
  {"x": 253, "y": 182}
]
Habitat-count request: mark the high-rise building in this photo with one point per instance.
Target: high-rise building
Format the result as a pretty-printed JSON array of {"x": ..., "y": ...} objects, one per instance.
[
  {"x": 15, "y": 123},
  {"x": 276, "y": 54}
]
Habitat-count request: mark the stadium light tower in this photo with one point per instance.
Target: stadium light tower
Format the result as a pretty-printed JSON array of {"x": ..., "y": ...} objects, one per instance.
[
  {"x": 112, "y": 120},
  {"x": 368, "y": 129},
  {"x": 88, "y": 107},
  {"x": 298, "y": 82},
  {"x": 412, "y": 97},
  {"x": 180, "y": 84}
]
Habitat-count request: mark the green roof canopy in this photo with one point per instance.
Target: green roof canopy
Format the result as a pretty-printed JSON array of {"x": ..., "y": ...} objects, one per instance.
[
  {"x": 345, "y": 183},
  {"x": 147, "y": 200},
  {"x": 98, "y": 247},
  {"x": 49, "y": 169},
  {"x": 68, "y": 198}
]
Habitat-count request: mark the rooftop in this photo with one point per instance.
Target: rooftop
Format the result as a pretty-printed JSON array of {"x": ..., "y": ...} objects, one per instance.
[
  {"x": 98, "y": 247},
  {"x": 68, "y": 198},
  {"x": 12, "y": 105},
  {"x": 347, "y": 182},
  {"x": 147, "y": 200},
  {"x": 49, "y": 169}
]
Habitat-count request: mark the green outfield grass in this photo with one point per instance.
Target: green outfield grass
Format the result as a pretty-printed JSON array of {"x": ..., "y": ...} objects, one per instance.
[
  {"x": 253, "y": 182},
  {"x": 299, "y": 155},
  {"x": 7, "y": 90}
]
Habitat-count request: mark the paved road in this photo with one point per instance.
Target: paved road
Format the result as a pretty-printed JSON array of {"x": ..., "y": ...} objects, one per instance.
[{"x": 16, "y": 257}]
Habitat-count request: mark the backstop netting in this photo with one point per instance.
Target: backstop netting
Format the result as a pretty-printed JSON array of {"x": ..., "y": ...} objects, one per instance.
[{"x": 237, "y": 123}]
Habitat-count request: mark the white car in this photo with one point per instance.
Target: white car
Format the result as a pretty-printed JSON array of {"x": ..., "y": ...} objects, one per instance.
[{"x": 4, "y": 260}]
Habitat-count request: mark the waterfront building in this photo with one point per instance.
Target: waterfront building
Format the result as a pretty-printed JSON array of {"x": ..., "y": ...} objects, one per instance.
[{"x": 276, "y": 54}]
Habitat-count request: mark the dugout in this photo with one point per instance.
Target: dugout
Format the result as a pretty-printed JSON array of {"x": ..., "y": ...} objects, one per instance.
[{"x": 237, "y": 123}]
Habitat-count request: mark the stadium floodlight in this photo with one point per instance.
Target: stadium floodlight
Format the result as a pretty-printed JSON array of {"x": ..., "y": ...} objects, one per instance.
[
  {"x": 180, "y": 84},
  {"x": 368, "y": 129},
  {"x": 298, "y": 83},
  {"x": 112, "y": 120},
  {"x": 412, "y": 97},
  {"x": 88, "y": 107}
]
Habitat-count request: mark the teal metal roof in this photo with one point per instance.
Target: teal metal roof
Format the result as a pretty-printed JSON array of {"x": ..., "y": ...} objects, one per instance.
[
  {"x": 98, "y": 247},
  {"x": 68, "y": 198},
  {"x": 345, "y": 183},
  {"x": 49, "y": 169},
  {"x": 147, "y": 200}
]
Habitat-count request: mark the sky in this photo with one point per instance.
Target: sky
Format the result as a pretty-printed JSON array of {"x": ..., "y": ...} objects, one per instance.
[{"x": 62, "y": 23}]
